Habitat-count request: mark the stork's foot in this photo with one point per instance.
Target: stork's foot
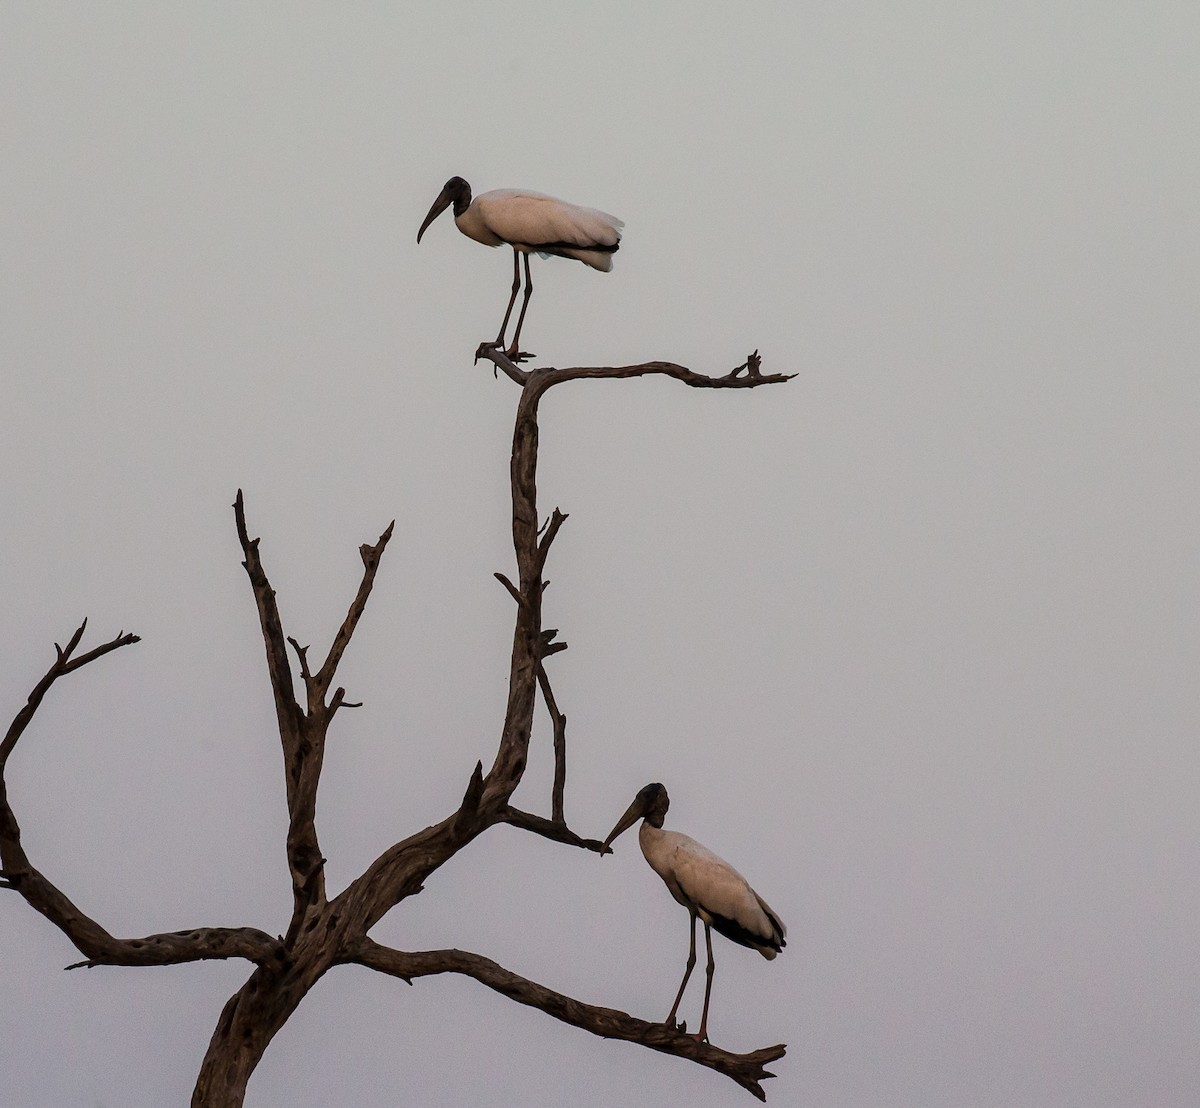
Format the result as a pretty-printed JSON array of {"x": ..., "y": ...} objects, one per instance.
[
  {"x": 513, "y": 354},
  {"x": 700, "y": 1036}
]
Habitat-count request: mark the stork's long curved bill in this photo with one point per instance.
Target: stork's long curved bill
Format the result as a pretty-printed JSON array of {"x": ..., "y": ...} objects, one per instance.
[
  {"x": 633, "y": 813},
  {"x": 439, "y": 205}
]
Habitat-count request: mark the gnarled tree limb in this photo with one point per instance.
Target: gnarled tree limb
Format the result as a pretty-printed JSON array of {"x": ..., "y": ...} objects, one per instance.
[
  {"x": 548, "y": 828},
  {"x": 302, "y": 731},
  {"x": 88, "y": 936},
  {"x": 549, "y": 375},
  {"x": 748, "y": 1070}
]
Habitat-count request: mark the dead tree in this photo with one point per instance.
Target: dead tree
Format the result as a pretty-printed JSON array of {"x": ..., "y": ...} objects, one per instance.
[{"x": 324, "y": 932}]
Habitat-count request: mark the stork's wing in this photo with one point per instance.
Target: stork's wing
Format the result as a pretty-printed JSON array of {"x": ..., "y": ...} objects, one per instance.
[
  {"x": 725, "y": 897},
  {"x": 531, "y": 219}
]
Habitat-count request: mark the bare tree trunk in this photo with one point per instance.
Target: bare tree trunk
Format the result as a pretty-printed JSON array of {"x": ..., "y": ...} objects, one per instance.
[{"x": 248, "y": 1023}]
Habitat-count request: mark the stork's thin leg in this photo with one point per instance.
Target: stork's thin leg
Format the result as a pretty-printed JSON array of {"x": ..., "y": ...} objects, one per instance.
[
  {"x": 702, "y": 1034},
  {"x": 512, "y": 350},
  {"x": 516, "y": 287},
  {"x": 691, "y": 962}
]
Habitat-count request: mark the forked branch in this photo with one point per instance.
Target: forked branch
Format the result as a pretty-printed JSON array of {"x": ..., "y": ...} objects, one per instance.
[
  {"x": 302, "y": 731},
  {"x": 64, "y": 663},
  {"x": 88, "y": 936}
]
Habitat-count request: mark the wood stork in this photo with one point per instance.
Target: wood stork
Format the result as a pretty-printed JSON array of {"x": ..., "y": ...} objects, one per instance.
[
  {"x": 531, "y": 224},
  {"x": 707, "y": 886}
]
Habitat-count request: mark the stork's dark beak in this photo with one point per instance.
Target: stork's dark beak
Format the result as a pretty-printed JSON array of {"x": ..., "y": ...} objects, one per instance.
[
  {"x": 633, "y": 813},
  {"x": 444, "y": 200}
]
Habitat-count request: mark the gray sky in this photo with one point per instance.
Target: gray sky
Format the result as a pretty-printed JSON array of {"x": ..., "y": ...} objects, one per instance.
[{"x": 912, "y": 641}]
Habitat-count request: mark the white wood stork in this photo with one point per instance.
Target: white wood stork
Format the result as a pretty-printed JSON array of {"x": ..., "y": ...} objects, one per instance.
[
  {"x": 707, "y": 886},
  {"x": 531, "y": 224}
]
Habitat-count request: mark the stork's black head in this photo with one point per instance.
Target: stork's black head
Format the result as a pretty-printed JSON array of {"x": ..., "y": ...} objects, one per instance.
[
  {"x": 650, "y": 804},
  {"x": 459, "y": 192},
  {"x": 654, "y": 801},
  {"x": 456, "y": 191}
]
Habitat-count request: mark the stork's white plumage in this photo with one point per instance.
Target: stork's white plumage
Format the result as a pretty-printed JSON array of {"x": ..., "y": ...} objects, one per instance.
[
  {"x": 531, "y": 223},
  {"x": 707, "y": 886}
]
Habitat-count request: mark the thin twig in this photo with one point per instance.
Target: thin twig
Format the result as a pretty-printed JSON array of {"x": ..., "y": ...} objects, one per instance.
[
  {"x": 63, "y": 664},
  {"x": 513, "y": 591},
  {"x": 371, "y": 556},
  {"x": 554, "y": 525}
]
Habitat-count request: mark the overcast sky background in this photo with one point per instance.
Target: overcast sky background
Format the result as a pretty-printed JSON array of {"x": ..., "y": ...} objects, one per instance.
[{"x": 911, "y": 640}]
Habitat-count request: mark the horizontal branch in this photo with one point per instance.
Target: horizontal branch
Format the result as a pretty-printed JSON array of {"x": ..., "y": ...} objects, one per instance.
[
  {"x": 174, "y": 947},
  {"x": 609, "y": 1023},
  {"x": 689, "y": 377},
  {"x": 548, "y": 375},
  {"x": 547, "y": 828}
]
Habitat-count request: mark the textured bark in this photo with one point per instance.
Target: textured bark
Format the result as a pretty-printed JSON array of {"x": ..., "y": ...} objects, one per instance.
[
  {"x": 324, "y": 933},
  {"x": 748, "y": 1070}
]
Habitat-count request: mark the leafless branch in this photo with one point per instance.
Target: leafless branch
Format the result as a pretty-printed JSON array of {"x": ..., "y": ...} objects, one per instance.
[
  {"x": 302, "y": 731},
  {"x": 553, "y": 526},
  {"x": 371, "y": 556},
  {"x": 91, "y": 939},
  {"x": 64, "y": 663},
  {"x": 280, "y": 670},
  {"x": 552, "y": 376},
  {"x": 502, "y": 361},
  {"x": 513, "y": 591},
  {"x": 554, "y": 829},
  {"x": 302, "y": 656},
  {"x": 200, "y": 944},
  {"x": 748, "y": 1070},
  {"x": 558, "y": 721},
  {"x": 339, "y": 701}
]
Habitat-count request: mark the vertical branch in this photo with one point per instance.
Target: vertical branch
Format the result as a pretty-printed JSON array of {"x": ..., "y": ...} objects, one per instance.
[
  {"x": 559, "y": 722},
  {"x": 509, "y": 764},
  {"x": 303, "y": 745},
  {"x": 278, "y": 666}
]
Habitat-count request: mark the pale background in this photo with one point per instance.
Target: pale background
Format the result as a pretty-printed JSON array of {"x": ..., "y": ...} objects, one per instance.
[{"x": 911, "y": 640}]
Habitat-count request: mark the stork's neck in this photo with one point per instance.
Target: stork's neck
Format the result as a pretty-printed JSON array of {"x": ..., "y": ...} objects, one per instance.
[{"x": 649, "y": 837}]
